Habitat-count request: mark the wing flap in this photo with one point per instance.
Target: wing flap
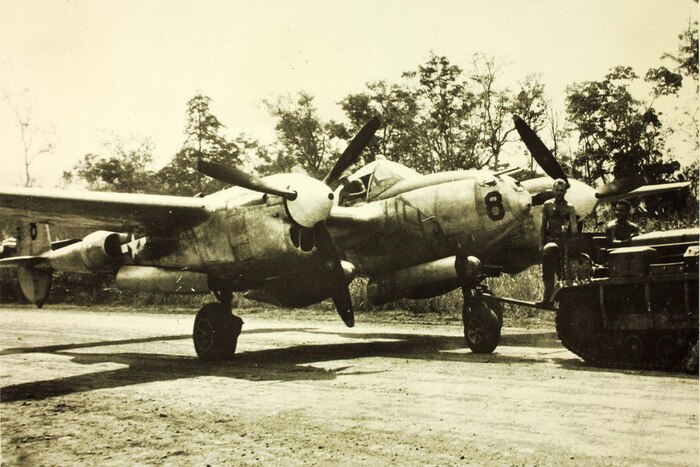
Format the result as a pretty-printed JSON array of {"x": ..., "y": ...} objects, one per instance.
[
  {"x": 647, "y": 190},
  {"x": 97, "y": 210}
]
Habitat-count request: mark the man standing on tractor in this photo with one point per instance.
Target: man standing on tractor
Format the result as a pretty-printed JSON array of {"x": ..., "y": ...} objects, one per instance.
[{"x": 558, "y": 221}]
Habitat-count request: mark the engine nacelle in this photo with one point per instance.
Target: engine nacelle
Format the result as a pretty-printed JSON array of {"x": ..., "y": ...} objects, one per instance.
[
  {"x": 308, "y": 288},
  {"x": 422, "y": 281},
  {"x": 170, "y": 281},
  {"x": 99, "y": 251}
]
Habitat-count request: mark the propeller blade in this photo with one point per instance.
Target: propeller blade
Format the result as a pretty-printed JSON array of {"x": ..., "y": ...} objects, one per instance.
[
  {"x": 620, "y": 186},
  {"x": 352, "y": 152},
  {"x": 233, "y": 176},
  {"x": 539, "y": 151},
  {"x": 343, "y": 303},
  {"x": 341, "y": 293}
]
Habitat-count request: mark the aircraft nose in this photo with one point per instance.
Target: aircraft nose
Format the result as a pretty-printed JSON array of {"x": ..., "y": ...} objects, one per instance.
[
  {"x": 522, "y": 204},
  {"x": 518, "y": 198}
]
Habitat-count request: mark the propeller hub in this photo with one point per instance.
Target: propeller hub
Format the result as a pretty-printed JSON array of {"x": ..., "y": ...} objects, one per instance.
[
  {"x": 519, "y": 198},
  {"x": 312, "y": 203},
  {"x": 349, "y": 270}
]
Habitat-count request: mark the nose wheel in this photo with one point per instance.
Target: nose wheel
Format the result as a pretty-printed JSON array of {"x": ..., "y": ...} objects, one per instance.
[{"x": 482, "y": 323}]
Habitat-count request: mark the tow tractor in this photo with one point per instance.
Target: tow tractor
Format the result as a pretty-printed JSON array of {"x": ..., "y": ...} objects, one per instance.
[{"x": 634, "y": 306}]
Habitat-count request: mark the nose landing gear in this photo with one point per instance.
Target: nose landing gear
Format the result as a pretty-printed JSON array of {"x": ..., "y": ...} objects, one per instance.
[{"x": 482, "y": 321}]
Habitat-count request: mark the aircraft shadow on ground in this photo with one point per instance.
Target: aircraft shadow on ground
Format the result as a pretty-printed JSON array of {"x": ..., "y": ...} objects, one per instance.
[
  {"x": 293, "y": 363},
  {"x": 580, "y": 365},
  {"x": 545, "y": 339},
  {"x": 280, "y": 364},
  {"x": 141, "y": 340}
]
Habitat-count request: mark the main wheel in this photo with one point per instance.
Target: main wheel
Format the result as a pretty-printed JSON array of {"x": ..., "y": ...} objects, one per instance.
[
  {"x": 482, "y": 328},
  {"x": 215, "y": 333}
]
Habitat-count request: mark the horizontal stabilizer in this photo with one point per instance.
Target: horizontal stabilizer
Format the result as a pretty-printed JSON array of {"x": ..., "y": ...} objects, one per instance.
[{"x": 26, "y": 261}]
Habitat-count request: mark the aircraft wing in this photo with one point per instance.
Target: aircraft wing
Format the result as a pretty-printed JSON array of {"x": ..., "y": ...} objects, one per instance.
[
  {"x": 97, "y": 210},
  {"x": 647, "y": 190}
]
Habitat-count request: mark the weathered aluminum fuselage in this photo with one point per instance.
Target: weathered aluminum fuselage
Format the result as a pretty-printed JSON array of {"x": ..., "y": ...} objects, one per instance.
[
  {"x": 248, "y": 240},
  {"x": 432, "y": 217}
]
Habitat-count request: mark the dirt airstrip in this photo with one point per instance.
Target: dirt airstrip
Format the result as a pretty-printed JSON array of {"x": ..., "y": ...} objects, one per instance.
[{"x": 106, "y": 387}]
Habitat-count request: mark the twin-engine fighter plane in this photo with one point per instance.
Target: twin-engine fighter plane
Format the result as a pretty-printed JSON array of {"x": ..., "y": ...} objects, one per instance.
[
  {"x": 412, "y": 235},
  {"x": 232, "y": 240}
]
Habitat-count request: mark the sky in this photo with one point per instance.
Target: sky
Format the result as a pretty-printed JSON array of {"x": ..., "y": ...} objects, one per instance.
[{"x": 94, "y": 71}]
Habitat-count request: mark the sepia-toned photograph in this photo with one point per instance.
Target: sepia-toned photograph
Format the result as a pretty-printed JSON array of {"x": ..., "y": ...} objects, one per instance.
[{"x": 327, "y": 233}]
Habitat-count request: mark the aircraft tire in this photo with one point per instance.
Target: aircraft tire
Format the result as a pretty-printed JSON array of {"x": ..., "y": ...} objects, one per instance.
[
  {"x": 215, "y": 333},
  {"x": 482, "y": 328}
]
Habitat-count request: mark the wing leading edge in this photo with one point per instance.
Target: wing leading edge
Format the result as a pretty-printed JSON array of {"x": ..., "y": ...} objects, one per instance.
[{"x": 97, "y": 210}]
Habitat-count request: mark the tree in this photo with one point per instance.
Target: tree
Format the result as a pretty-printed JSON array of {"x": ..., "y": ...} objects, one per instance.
[
  {"x": 667, "y": 82},
  {"x": 448, "y": 137},
  {"x": 203, "y": 140},
  {"x": 690, "y": 173},
  {"x": 397, "y": 139},
  {"x": 304, "y": 141},
  {"x": 122, "y": 169},
  {"x": 494, "y": 107},
  {"x": 28, "y": 133},
  {"x": 558, "y": 133},
  {"x": 497, "y": 105},
  {"x": 617, "y": 134},
  {"x": 687, "y": 55},
  {"x": 438, "y": 119}
]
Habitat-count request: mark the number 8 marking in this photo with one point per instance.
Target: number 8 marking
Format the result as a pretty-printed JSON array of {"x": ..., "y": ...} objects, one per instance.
[{"x": 494, "y": 206}]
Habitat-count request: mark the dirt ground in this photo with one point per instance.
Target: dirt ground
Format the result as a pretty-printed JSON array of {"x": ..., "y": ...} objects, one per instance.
[{"x": 99, "y": 387}]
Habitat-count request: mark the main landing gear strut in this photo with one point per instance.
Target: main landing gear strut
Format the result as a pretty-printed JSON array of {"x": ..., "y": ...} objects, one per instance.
[{"x": 216, "y": 328}]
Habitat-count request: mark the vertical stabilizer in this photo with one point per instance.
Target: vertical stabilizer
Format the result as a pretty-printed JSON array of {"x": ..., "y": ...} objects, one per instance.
[{"x": 33, "y": 240}]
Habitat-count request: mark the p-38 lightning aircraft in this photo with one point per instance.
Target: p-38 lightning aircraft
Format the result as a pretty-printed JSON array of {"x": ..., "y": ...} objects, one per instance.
[{"x": 299, "y": 243}]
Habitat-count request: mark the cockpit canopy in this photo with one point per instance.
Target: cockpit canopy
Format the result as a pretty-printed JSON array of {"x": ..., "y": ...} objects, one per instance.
[{"x": 372, "y": 180}]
